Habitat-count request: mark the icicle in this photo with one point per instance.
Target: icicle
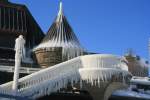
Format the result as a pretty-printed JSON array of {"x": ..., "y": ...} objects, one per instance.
[{"x": 60, "y": 13}]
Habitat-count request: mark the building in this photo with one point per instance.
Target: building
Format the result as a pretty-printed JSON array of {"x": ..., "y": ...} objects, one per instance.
[
  {"x": 136, "y": 64},
  {"x": 60, "y": 43},
  {"x": 60, "y": 57},
  {"x": 15, "y": 20}
]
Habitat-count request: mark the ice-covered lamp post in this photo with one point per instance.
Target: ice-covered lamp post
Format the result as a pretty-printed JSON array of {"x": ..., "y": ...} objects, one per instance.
[{"x": 19, "y": 55}]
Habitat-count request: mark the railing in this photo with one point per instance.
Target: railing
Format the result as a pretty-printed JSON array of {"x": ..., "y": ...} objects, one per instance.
[
  {"x": 56, "y": 77},
  {"x": 28, "y": 82},
  {"x": 22, "y": 69}
]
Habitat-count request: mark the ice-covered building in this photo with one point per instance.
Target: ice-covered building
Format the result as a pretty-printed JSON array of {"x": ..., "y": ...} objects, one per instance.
[
  {"x": 66, "y": 66},
  {"x": 60, "y": 43}
]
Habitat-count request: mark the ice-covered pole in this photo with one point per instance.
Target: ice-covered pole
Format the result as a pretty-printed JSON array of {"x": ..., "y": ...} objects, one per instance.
[{"x": 19, "y": 55}]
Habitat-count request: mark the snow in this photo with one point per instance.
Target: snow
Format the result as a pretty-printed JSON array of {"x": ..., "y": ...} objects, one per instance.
[
  {"x": 139, "y": 93},
  {"x": 141, "y": 80},
  {"x": 128, "y": 93}
]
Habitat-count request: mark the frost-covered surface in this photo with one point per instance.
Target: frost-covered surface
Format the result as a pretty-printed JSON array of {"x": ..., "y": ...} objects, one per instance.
[
  {"x": 141, "y": 80},
  {"x": 134, "y": 91},
  {"x": 97, "y": 75},
  {"x": 88, "y": 68},
  {"x": 22, "y": 69},
  {"x": 104, "y": 61},
  {"x": 19, "y": 55},
  {"x": 62, "y": 35},
  {"x": 128, "y": 93}
]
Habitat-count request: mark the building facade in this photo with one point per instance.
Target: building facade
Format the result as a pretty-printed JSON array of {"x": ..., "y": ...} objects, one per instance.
[{"x": 15, "y": 20}]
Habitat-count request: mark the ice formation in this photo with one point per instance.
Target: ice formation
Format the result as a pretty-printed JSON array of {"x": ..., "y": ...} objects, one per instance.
[
  {"x": 127, "y": 93},
  {"x": 61, "y": 35},
  {"x": 141, "y": 80},
  {"x": 134, "y": 90},
  {"x": 89, "y": 68},
  {"x": 20, "y": 54}
]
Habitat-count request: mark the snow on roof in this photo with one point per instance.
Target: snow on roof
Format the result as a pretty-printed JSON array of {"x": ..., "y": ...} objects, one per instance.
[
  {"x": 128, "y": 93},
  {"x": 140, "y": 80},
  {"x": 60, "y": 34}
]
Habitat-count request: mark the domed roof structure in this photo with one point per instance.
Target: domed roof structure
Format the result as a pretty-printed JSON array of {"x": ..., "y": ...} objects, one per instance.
[
  {"x": 61, "y": 35},
  {"x": 137, "y": 65}
]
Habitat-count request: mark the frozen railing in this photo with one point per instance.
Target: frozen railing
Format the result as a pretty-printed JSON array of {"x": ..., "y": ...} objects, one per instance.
[
  {"x": 43, "y": 75},
  {"x": 22, "y": 69},
  {"x": 90, "y": 68}
]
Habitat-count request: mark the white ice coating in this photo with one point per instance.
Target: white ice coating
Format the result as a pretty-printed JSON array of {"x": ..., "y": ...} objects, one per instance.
[
  {"x": 89, "y": 68},
  {"x": 19, "y": 55},
  {"x": 62, "y": 36},
  {"x": 128, "y": 93},
  {"x": 140, "y": 80},
  {"x": 69, "y": 49},
  {"x": 60, "y": 13}
]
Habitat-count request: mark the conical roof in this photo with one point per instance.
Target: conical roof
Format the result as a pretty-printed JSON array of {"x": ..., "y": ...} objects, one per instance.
[{"x": 61, "y": 34}]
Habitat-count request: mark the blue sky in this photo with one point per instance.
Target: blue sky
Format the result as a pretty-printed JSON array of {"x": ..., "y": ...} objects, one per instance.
[{"x": 102, "y": 26}]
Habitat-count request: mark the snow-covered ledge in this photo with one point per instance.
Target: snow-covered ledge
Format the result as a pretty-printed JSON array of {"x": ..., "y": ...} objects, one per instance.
[{"x": 96, "y": 75}]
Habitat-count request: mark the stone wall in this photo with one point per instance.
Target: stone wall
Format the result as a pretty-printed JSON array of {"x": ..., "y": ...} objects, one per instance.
[{"x": 49, "y": 57}]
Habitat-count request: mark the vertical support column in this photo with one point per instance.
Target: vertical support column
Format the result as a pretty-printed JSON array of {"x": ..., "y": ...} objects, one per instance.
[
  {"x": 25, "y": 21},
  {"x": 0, "y": 18},
  {"x": 21, "y": 13},
  {"x": 13, "y": 21},
  {"x": 17, "y": 20},
  {"x": 4, "y": 26},
  {"x": 19, "y": 55},
  {"x": 9, "y": 26},
  {"x": 16, "y": 75}
]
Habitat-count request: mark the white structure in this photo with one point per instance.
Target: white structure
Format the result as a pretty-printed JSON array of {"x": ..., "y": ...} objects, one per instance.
[
  {"x": 20, "y": 54},
  {"x": 89, "y": 68}
]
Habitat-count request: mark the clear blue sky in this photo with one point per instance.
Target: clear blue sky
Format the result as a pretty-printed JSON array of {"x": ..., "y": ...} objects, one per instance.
[{"x": 103, "y": 26}]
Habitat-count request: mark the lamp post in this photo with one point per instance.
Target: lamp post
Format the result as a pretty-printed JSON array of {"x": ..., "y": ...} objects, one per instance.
[{"x": 19, "y": 55}]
